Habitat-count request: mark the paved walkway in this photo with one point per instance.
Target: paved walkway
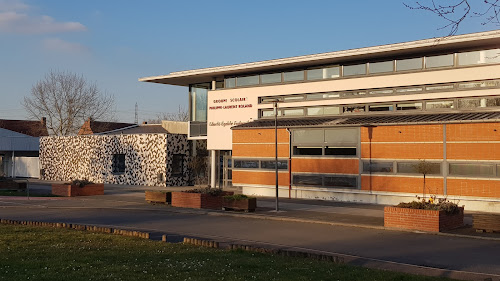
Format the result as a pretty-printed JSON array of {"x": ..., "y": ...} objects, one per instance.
[{"x": 301, "y": 210}]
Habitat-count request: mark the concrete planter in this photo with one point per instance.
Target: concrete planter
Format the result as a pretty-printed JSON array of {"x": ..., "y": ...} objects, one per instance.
[
  {"x": 247, "y": 205},
  {"x": 158, "y": 197},
  {"x": 486, "y": 222},
  {"x": 69, "y": 190},
  {"x": 197, "y": 200},
  {"x": 424, "y": 220}
]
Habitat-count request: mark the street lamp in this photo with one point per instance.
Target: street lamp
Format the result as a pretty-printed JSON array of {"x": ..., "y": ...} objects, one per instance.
[{"x": 275, "y": 106}]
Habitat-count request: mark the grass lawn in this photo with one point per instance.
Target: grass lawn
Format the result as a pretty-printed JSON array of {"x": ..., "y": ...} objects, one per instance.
[{"x": 38, "y": 253}]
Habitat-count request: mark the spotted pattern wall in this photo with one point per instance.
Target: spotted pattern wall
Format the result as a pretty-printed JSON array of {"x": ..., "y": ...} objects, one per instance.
[{"x": 148, "y": 158}]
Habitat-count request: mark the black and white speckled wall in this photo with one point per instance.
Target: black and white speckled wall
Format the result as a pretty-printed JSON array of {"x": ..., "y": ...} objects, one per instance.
[{"x": 91, "y": 157}]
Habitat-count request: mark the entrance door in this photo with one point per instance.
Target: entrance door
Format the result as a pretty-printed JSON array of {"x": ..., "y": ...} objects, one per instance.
[{"x": 227, "y": 169}]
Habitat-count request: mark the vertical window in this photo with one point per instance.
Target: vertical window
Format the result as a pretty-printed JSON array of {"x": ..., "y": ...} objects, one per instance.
[
  {"x": 177, "y": 163},
  {"x": 199, "y": 96},
  {"x": 118, "y": 164},
  {"x": 230, "y": 82}
]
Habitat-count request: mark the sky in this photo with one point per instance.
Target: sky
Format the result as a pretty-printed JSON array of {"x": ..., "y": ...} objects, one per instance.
[{"x": 113, "y": 43}]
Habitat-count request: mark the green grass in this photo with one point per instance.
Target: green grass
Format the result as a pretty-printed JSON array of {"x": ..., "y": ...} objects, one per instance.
[{"x": 38, "y": 253}]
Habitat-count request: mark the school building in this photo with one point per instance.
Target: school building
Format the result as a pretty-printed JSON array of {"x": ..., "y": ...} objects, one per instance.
[{"x": 354, "y": 125}]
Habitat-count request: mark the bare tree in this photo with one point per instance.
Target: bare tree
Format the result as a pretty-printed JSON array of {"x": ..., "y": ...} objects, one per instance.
[
  {"x": 455, "y": 12},
  {"x": 67, "y": 100},
  {"x": 181, "y": 114}
]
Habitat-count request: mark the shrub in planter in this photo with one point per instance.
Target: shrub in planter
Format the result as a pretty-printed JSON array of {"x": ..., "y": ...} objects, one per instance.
[
  {"x": 426, "y": 215},
  {"x": 158, "y": 196},
  {"x": 78, "y": 188},
  {"x": 204, "y": 198},
  {"x": 239, "y": 202}
]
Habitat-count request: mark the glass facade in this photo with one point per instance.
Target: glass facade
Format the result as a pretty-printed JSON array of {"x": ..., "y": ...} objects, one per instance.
[{"x": 198, "y": 95}]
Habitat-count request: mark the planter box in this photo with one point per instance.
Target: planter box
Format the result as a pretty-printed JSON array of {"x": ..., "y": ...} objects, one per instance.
[
  {"x": 159, "y": 197},
  {"x": 197, "y": 200},
  {"x": 486, "y": 222},
  {"x": 247, "y": 205},
  {"x": 10, "y": 184},
  {"x": 69, "y": 190},
  {"x": 424, "y": 220}
]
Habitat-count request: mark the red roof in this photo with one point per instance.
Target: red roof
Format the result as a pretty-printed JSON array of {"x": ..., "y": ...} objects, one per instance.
[
  {"x": 27, "y": 127},
  {"x": 93, "y": 127}
]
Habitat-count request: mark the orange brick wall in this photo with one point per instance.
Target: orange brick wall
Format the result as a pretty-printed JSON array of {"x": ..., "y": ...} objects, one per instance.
[
  {"x": 473, "y": 132},
  {"x": 402, "y": 184},
  {"x": 259, "y": 136},
  {"x": 263, "y": 178},
  {"x": 473, "y": 187},
  {"x": 339, "y": 166},
  {"x": 402, "y": 150},
  {"x": 411, "y": 133},
  {"x": 473, "y": 151},
  {"x": 260, "y": 150}
]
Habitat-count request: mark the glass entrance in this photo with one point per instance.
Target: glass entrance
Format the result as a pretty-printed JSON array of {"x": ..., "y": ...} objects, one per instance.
[{"x": 226, "y": 168}]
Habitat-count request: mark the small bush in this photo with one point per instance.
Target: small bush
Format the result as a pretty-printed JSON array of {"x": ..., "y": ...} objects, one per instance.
[
  {"x": 81, "y": 183},
  {"x": 207, "y": 190},
  {"x": 236, "y": 197},
  {"x": 441, "y": 204}
]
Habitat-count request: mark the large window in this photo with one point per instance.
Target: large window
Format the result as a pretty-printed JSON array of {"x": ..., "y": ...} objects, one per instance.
[
  {"x": 473, "y": 169},
  {"x": 381, "y": 67},
  {"x": 357, "y": 69},
  {"x": 323, "y": 73},
  {"x": 247, "y": 80},
  {"x": 118, "y": 164},
  {"x": 400, "y": 167},
  {"x": 270, "y": 78},
  {"x": 409, "y": 64},
  {"x": 439, "y": 61},
  {"x": 338, "y": 142},
  {"x": 328, "y": 181},
  {"x": 479, "y": 57},
  {"x": 259, "y": 164}
]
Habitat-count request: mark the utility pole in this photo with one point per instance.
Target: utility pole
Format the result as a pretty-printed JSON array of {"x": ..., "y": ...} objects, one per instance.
[{"x": 136, "y": 120}]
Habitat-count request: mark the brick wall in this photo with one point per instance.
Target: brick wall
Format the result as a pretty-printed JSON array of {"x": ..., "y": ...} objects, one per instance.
[
  {"x": 196, "y": 200},
  {"x": 424, "y": 220}
]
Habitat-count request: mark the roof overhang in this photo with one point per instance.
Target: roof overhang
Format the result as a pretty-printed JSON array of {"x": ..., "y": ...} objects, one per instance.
[{"x": 434, "y": 45}]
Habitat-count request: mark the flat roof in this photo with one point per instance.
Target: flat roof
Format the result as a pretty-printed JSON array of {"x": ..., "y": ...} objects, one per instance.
[
  {"x": 439, "y": 44},
  {"x": 374, "y": 120}
]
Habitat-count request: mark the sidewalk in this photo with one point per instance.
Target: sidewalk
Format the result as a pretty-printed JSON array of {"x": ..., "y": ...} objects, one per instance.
[{"x": 293, "y": 210}]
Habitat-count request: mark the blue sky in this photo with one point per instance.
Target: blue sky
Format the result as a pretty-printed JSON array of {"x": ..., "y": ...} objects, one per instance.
[{"x": 113, "y": 43}]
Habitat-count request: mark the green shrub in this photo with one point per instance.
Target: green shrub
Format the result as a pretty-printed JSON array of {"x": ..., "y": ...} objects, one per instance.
[
  {"x": 441, "y": 204},
  {"x": 81, "y": 183},
  {"x": 207, "y": 190},
  {"x": 237, "y": 197}
]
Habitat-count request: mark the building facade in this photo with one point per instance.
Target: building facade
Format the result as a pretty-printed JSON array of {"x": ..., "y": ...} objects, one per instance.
[
  {"x": 354, "y": 125},
  {"x": 139, "y": 155}
]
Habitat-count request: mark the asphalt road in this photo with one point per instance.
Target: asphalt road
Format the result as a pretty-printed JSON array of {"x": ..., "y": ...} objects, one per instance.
[{"x": 404, "y": 251}]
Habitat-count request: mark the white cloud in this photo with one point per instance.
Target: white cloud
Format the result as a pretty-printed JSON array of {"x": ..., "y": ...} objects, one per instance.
[
  {"x": 13, "y": 19},
  {"x": 12, "y": 5},
  {"x": 59, "y": 45}
]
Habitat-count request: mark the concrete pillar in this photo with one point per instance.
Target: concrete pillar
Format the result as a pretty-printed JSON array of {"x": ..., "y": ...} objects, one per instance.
[{"x": 213, "y": 168}]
